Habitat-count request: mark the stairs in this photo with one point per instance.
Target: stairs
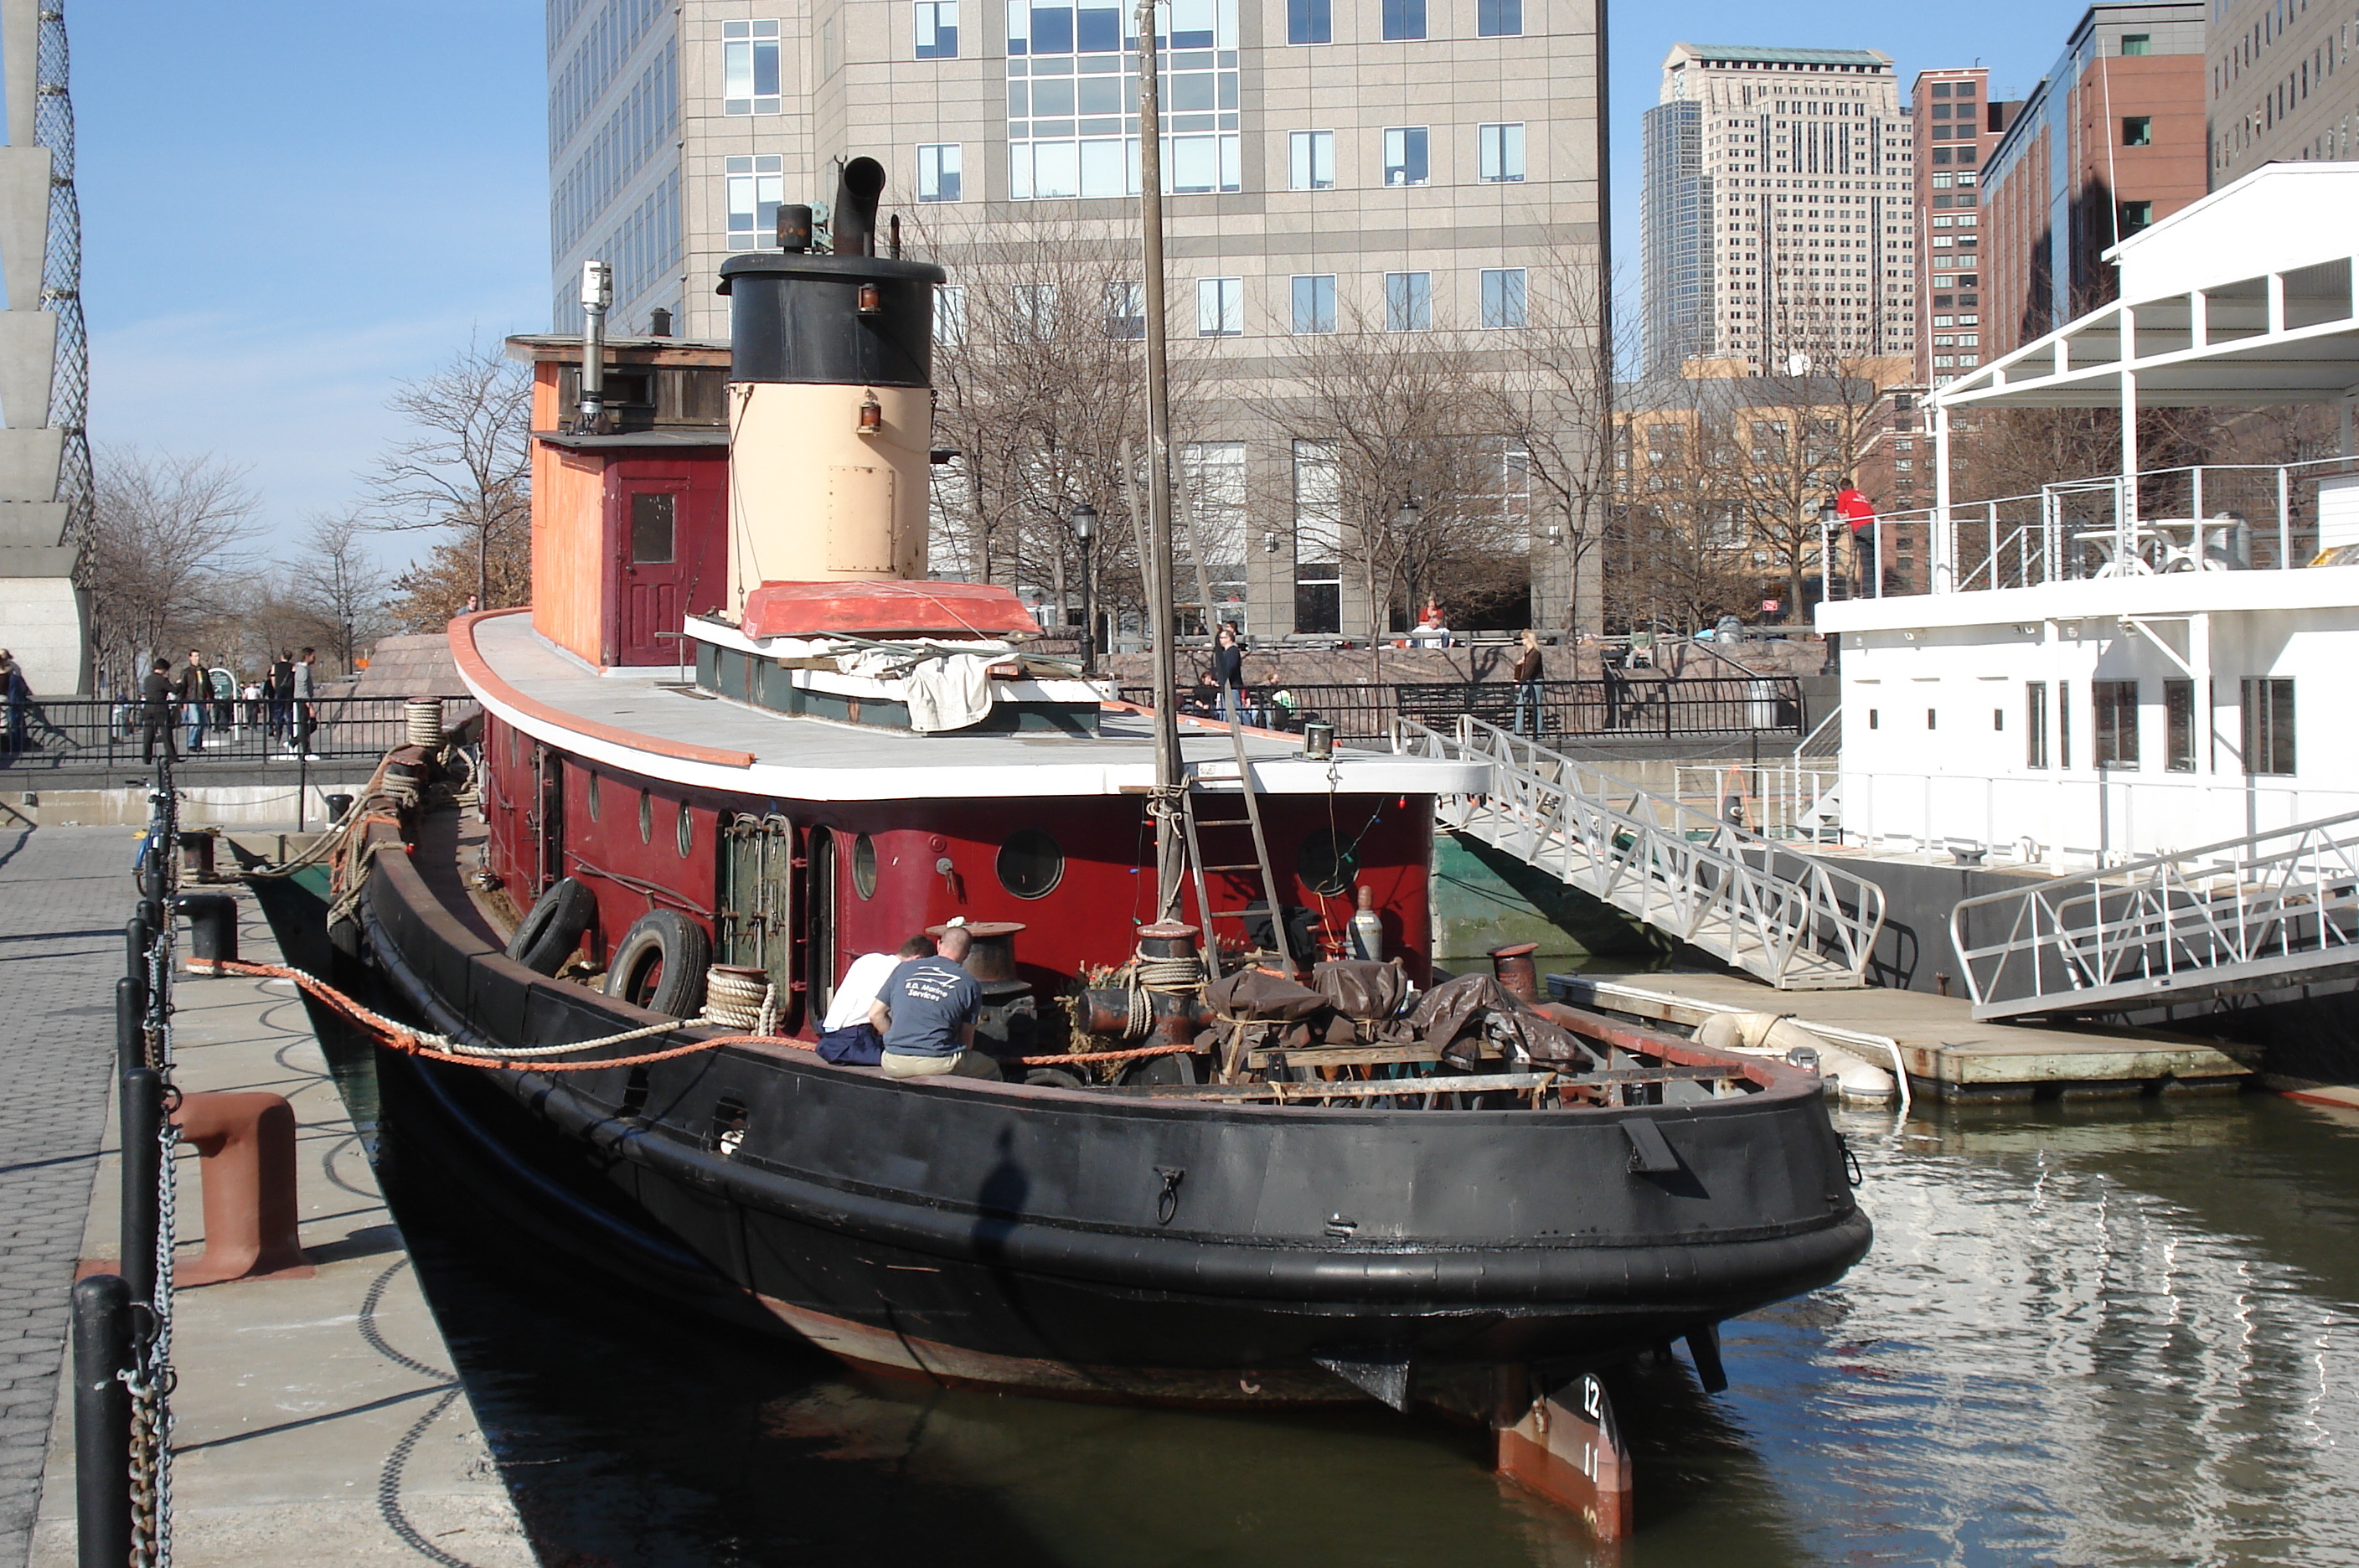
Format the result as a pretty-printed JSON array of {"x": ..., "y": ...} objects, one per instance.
[{"x": 1783, "y": 917}]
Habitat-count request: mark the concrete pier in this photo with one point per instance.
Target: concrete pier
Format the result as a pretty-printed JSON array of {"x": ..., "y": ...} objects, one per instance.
[
  {"x": 1949, "y": 1056},
  {"x": 318, "y": 1419}
]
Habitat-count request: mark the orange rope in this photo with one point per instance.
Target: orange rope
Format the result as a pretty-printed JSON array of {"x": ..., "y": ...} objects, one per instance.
[{"x": 395, "y": 1037}]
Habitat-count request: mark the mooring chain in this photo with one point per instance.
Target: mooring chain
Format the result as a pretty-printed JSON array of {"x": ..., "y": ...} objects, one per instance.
[{"x": 150, "y": 1377}]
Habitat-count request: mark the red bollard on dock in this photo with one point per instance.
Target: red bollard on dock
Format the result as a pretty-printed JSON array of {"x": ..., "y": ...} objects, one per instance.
[{"x": 246, "y": 1145}]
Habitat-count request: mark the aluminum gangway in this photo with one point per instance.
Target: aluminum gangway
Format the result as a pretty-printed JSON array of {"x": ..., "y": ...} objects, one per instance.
[
  {"x": 2258, "y": 913},
  {"x": 1791, "y": 919}
]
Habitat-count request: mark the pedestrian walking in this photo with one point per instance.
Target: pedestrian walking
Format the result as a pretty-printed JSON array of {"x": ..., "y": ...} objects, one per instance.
[
  {"x": 305, "y": 711},
  {"x": 250, "y": 706},
  {"x": 279, "y": 689},
  {"x": 1531, "y": 668},
  {"x": 19, "y": 699},
  {"x": 195, "y": 690},
  {"x": 155, "y": 713}
]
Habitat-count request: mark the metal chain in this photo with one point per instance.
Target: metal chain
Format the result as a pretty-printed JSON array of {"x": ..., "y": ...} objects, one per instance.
[{"x": 151, "y": 1378}]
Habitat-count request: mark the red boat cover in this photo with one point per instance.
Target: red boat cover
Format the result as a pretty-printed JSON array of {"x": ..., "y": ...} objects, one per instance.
[{"x": 887, "y": 609}]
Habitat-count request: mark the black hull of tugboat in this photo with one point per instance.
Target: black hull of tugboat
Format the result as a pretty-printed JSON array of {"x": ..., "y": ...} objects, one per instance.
[{"x": 1099, "y": 1245}]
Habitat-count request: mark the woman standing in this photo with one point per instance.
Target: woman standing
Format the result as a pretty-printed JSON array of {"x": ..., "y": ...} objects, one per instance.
[
  {"x": 1530, "y": 670},
  {"x": 1229, "y": 670}
]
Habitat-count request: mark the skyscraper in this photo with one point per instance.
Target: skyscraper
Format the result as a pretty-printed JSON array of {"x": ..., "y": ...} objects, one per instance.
[
  {"x": 1391, "y": 164},
  {"x": 1777, "y": 224},
  {"x": 1957, "y": 126},
  {"x": 2279, "y": 87}
]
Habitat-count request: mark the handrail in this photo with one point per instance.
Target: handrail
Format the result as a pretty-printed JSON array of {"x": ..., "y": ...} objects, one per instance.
[
  {"x": 2234, "y": 915},
  {"x": 1777, "y": 914}
]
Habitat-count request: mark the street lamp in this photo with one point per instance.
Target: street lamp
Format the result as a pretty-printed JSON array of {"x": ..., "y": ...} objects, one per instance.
[
  {"x": 1827, "y": 513},
  {"x": 1084, "y": 522}
]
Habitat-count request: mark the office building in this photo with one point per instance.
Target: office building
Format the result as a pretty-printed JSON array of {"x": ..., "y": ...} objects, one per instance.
[
  {"x": 1411, "y": 164},
  {"x": 2280, "y": 85},
  {"x": 1957, "y": 128},
  {"x": 2110, "y": 141},
  {"x": 1777, "y": 223}
]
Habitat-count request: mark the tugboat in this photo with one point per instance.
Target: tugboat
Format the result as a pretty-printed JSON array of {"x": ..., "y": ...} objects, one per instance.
[{"x": 1264, "y": 1154}]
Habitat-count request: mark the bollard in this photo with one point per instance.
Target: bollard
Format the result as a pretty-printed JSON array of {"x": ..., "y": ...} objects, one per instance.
[
  {"x": 338, "y": 806},
  {"x": 197, "y": 855},
  {"x": 141, "y": 1091},
  {"x": 136, "y": 933},
  {"x": 130, "y": 1025},
  {"x": 155, "y": 873},
  {"x": 1516, "y": 974},
  {"x": 102, "y": 1417},
  {"x": 212, "y": 927},
  {"x": 247, "y": 1145}
]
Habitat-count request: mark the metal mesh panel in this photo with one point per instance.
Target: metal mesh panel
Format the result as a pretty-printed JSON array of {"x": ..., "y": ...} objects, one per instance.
[{"x": 53, "y": 127}]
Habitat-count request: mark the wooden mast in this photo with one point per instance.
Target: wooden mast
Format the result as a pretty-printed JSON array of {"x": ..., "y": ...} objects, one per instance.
[{"x": 1155, "y": 572}]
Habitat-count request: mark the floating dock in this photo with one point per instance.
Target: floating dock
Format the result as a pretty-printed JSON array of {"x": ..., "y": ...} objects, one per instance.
[{"x": 1949, "y": 1056}]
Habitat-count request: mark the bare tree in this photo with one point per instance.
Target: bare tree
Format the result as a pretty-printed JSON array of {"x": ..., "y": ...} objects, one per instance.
[
  {"x": 166, "y": 531},
  {"x": 1675, "y": 544},
  {"x": 465, "y": 470},
  {"x": 1560, "y": 403},
  {"x": 340, "y": 584}
]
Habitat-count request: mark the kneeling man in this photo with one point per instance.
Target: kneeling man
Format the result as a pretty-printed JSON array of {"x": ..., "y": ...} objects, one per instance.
[{"x": 926, "y": 1013}]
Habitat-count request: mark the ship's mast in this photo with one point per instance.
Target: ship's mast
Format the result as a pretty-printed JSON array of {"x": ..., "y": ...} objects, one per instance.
[{"x": 1156, "y": 572}]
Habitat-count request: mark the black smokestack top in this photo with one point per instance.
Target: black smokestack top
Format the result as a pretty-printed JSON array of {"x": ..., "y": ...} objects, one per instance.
[{"x": 853, "y": 225}]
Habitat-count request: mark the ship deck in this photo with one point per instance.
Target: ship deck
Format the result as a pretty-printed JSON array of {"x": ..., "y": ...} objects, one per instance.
[{"x": 643, "y": 720}]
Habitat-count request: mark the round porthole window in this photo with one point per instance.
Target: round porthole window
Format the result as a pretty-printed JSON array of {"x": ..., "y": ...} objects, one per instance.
[
  {"x": 594, "y": 797},
  {"x": 864, "y": 867},
  {"x": 1325, "y": 865},
  {"x": 1030, "y": 863},
  {"x": 647, "y": 817},
  {"x": 685, "y": 833}
]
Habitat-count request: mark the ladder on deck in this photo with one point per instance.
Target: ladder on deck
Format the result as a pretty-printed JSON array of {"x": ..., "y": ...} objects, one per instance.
[
  {"x": 1191, "y": 827},
  {"x": 1786, "y": 917}
]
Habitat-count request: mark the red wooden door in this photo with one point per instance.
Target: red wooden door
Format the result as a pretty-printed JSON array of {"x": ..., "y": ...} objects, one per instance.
[{"x": 669, "y": 553}]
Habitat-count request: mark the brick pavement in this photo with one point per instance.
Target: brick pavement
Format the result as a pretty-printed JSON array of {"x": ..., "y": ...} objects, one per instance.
[{"x": 65, "y": 894}]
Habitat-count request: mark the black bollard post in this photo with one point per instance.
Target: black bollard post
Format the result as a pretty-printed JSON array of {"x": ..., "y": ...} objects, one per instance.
[
  {"x": 142, "y": 1092},
  {"x": 130, "y": 1025},
  {"x": 136, "y": 933},
  {"x": 212, "y": 924},
  {"x": 102, "y": 1354}
]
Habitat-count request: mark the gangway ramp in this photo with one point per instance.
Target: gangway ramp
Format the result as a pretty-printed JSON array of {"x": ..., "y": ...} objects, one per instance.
[
  {"x": 1789, "y": 919},
  {"x": 2257, "y": 913}
]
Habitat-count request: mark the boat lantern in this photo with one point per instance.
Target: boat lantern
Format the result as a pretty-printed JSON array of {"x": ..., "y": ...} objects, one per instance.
[{"x": 830, "y": 408}]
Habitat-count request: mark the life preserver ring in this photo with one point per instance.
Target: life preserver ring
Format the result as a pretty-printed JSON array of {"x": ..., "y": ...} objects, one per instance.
[
  {"x": 553, "y": 927},
  {"x": 660, "y": 965}
]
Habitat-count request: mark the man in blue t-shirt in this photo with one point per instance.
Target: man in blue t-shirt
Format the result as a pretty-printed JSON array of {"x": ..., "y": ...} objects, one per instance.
[{"x": 926, "y": 1012}]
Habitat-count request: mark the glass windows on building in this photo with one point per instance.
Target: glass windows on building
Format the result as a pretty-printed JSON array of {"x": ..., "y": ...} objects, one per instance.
[
  {"x": 1219, "y": 307},
  {"x": 1317, "y": 538},
  {"x": 1404, "y": 19},
  {"x": 1408, "y": 301},
  {"x": 756, "y": 187},
  {"x": 1310, "y": 160},
  {"x": 749, "y": 67},
  {"x": 1215, "y": 476},
  {"x": 1309, "y": 21},
  {"x": 1314, "y": 304},
  {"x": 937, "y": 29},
  {"x": 1499, "y": 154},
  {"x": 1072, "y": 100},
  {"x": 938, "y": 172},
  {"x": 1498, "y": 18},
  {"x": 1405, "y": 159},
  {"x": 1503, "y": 296},
  {"x": 1125, "y": 310}
]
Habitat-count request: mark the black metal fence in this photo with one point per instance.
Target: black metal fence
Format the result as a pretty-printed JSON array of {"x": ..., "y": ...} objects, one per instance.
[
  {"x": 79, "y": 734},
  {"x": 1613, "y": 707}
]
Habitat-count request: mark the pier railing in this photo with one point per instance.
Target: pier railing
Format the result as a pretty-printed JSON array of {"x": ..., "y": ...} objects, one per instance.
[
  {"x": 81, "y": 735},
  {"x": 2256, "y": 913},
  {"x": 1616, "y": 708},
  {"x": 1786, "y": 917}
]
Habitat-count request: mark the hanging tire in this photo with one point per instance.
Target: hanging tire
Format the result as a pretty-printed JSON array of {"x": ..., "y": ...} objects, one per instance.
[
  {"x": 660, "y": 965},
  {"x": 552, "y": 929}
]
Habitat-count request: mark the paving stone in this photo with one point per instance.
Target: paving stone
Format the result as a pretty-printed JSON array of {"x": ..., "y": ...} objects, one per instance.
[{"x": 62, "y": 891}]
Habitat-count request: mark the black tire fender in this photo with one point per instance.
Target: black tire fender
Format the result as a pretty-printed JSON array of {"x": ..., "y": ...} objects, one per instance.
[
  {"x": 660, "y": 965},
  {"x": 552, "y": 929}
]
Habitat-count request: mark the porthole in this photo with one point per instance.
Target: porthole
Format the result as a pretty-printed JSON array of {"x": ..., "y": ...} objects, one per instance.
[
  {"x": 594, "y": 797},
  {"x": 1326, "y": 865},
  {"x": 864, "y": 867},
  {"x": 686, "y": 832},
  {"x": 647, "y": 817},
  {"x": 1030, "y": 863}
]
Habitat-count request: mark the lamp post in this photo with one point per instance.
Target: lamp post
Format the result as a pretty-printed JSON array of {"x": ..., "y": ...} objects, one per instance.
[
  {"x": 1827, "y": 515},
  {"x": 1084, "y": 522}
]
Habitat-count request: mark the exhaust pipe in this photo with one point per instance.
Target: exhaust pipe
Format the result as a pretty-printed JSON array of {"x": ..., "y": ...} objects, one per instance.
[
  {"x": 597, "y": 294},
  {"x": 852, "y": 222}
]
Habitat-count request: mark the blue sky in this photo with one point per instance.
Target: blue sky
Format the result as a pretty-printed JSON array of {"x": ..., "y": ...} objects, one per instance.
[{"x": 287, "y": 208}]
